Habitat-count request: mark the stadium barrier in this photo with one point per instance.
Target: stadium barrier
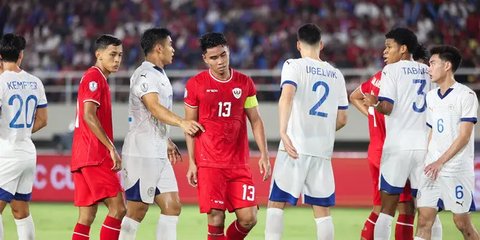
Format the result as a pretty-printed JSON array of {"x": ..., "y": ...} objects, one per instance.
[{"x": 53, "y": 182}]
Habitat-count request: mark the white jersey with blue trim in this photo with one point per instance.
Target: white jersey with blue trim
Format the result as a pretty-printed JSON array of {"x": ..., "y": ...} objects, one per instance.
[
  {"x": 405, "y": 84},
  {"x": 444, "y": 115},
  {"x": 20, "y": 95},
  {"x": 320, "y": 93},
  {"x": 147, "y": 137}
]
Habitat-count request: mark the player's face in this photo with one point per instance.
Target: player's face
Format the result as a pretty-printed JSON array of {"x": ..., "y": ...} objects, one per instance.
[
  {"x": 217, "y": 59},
  {"x": 437, "y": 69},
  {"x": 110, "y": 57},
  {"x": 167, "y": 51},
  {"x": 393, "y": 51}
]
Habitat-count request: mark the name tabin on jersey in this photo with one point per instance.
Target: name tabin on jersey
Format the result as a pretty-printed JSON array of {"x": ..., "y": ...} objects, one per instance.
[
  {"x": 321, "y": 72},
  {"x": 17, "y": 85},
  {"x": 414, "y": 70}
]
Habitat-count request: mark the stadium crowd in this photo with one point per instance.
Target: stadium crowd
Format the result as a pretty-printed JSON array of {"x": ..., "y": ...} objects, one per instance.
[{"x": 61, "y": 33}]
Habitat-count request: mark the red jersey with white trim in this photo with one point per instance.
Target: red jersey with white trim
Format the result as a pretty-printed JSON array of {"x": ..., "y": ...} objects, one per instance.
[
  {"x": 221, "y": 110},
  {"x": 376, "y": 120},
  {"x": 87, "y": 150}
]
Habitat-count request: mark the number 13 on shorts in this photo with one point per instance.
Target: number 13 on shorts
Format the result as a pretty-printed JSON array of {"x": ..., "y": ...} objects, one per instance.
[{"x": 248, "y": 192}]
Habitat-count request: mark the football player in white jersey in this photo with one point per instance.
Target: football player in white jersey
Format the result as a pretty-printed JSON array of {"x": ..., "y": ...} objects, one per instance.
[
  {"x": 148, "y": 174},
  {"x": 23, "y": 111},
  {"x": 448, "y": 177},
  {"x": 312, "y": 107},
  {"x": 402, "y": 100}
]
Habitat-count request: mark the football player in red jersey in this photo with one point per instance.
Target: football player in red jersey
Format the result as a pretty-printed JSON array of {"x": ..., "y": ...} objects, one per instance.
[
  {"x": 95, "y": 161},
  {"x": 221, "y": 99}
]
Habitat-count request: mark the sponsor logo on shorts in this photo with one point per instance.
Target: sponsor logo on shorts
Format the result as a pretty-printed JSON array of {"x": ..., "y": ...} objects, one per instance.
[
  {"x": 218, "y": 202},
  {"x": 459, "y": 203}
]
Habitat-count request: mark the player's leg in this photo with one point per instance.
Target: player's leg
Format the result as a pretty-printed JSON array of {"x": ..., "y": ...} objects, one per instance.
[
  {"x": 458, "y": 194},
  {"x": 112, "y": 223},
  {"x": 406, "y": 215},
  {"x": 287, "y": 182},
  {"x": 369, "y": 225},
  {"x": 136, "y": 211},
  {"x": 319, "y": 191},
  {"x": 426, "y": 218},
  {"x": 169, "y": 202},
  {"x": 464, "y": 224},
  {"x": 428, "y": 198},
  {"x": 3, "y": 204},
  {"x": 216, "y": 224},
  {"x": 86, "y": 216}
]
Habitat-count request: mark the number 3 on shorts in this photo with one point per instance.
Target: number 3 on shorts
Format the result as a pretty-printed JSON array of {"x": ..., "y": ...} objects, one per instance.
[{"x": 248, "y": 192}]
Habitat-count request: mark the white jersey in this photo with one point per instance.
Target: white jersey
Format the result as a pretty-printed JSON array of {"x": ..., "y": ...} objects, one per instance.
[
  {"x": 444, "y": 115},
  {"x": 20, "y": 95},
  {"x": 320, "y": 93},
  {"x": 405, "y": 85},
  {"x": 147, "y": 137}
]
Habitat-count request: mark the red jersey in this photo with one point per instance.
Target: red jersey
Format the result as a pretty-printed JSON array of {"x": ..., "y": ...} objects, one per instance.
[
  {"x": 376, "y": 120},
  {"x": 221, "y": 110},
  {"x": 87, "y": 150}
]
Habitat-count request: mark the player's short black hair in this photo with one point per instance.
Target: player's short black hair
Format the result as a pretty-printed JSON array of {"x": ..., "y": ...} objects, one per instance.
[
  {"x": 211, "y": 40},
  {"x": 309, "y": 33},
  {"x": 105, "y": 40},
  {"x": 11, "y": 45},
  {"x": 404, "y": 36},
  {"x": 153, "y": 36},
  {"x": 448, "y": 53},
  {"x": 421, "y": 53}
]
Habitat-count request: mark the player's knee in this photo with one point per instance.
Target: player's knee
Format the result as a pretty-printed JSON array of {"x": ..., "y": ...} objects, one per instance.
[
  {"x": 117, "y": 211},
  {"x": 248, "y": 221},
  {"x": 424, "y": 223},
  {"x": 461, "y": 223},
  {"x": 86, "y": 219},
  {"x": 20, "y": 213}
]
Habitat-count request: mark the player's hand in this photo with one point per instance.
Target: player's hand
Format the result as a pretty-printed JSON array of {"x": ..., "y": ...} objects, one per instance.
[
  {"x": 370, "y": 100},
  {"x": 191, "y": 127},
  {"x": 287, "y": 143},
  {"x": 192, "y": 175},
  {"x": 432, "y": 169},
  {"x": 173, "y": 153},
  {"x": 117, "y": 161},
  {"x": 265, "y": 167}
]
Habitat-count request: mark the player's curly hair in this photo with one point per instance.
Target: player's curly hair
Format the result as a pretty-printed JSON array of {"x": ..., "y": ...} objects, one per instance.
[
  {"x": 211, "y": 40},
  {"x": 448, "y": 53},
  {"x": 404, "y": 36},
  {"x": 10, "y": 47}
]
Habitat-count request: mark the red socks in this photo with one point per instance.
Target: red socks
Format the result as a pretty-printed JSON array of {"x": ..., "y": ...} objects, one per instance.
[
  {"x": 369, "y": 226},
  {"x": 215, "y": 233},
  {"x": 110, "y": 229},
  {"x": 81, "y": 232},
  {"x": 404, "y": 227},
  {"x": 236, "y": 232}
]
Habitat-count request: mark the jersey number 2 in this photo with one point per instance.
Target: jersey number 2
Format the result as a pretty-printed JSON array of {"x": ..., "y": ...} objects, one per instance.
[
  {"x": 18, "y": 99},
  {"x": 314, "y": 110}
]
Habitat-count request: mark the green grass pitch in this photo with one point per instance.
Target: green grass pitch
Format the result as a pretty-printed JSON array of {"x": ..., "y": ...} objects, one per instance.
[{"x": 56, "y": 221}]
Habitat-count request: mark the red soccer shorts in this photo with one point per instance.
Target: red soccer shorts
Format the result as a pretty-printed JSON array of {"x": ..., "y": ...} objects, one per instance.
[
  {"x": 375, "y": 172},
  {"x": 230, "y": 189},
  {"x": 95, "y": 183}
]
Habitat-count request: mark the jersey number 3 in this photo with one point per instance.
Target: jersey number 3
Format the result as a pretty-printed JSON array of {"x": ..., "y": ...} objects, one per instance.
[
  {"x": 314, "y": 110},
  {"x": 17, "y": 100}
]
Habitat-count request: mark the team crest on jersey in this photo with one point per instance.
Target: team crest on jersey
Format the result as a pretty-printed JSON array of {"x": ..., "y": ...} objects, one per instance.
[
  {"x": 93, "y": 86},
  {"x": 151, "y": 191},
  {"x": 144, "y": 87},
  {"x": 237, "y": 93}
]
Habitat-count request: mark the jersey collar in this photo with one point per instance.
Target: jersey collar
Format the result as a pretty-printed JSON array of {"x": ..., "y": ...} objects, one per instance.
[
  {"x": 149, "y": 64},
  {"x": 447, "y": 92}
]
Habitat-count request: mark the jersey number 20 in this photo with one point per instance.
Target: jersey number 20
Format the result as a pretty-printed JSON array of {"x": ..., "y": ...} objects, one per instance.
[
  {"x": 314, "y": 110},
  {"x": 18, "y": 100}
]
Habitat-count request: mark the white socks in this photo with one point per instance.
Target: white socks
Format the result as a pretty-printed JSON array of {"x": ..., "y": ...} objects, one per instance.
[
  {"x": 324, "y": 228},
  {"x": 25, "y": 228},
  {"x": 167, "y": 227},
  {"x": 128, "y": 230},
  {"x": 274, "y": 224},
  {"x": 383, "y": 227},
  {"x": 437, "y": 229}
]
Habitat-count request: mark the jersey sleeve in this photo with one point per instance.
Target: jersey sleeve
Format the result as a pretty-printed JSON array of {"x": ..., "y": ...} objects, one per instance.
[
  {"x": 143, "y": 84},
  {"x": 342, "y": 90},
  {"x": 42, "y": 101},
  {"x": 388, "y": 88},
  {"x": 251, "y": 100},
  {"x": 91, "y": 86},
  {"x": 190, "y": 96},
  {"x": 289, "y": 74},
  {"x": 469, "y": 107}
]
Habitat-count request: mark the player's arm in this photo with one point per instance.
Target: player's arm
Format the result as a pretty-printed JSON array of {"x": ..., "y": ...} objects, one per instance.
[
  {"x": 341, "y": 119},
  {"x": 385, "y": 107},
  {"x": 258, "y": 130},
  {"x": 91, "y": 119},
  {"x": 164, "y": 115},
  {"x": 284, "y": 111},
  {"x": 465, "y": 131},
  {"x": 356, "y": 98},
  {"x": 41, "y": 118},
  {"x": 191, "y": 114}
]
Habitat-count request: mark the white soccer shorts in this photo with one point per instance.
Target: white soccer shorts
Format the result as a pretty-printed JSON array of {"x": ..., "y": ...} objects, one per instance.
[
  {"x": 144, "y": 178},
  {"x": 16, "y": 178},
  {"x": 307, "y": 175}
]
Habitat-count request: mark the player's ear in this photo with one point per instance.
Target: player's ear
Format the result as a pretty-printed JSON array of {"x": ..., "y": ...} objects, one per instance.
[
  {"x": 321, "y": 45},
  {"x": 448, "y": 66},
  {"x": 299, "y": 46},
  {"x": 204, "y": 58}
]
